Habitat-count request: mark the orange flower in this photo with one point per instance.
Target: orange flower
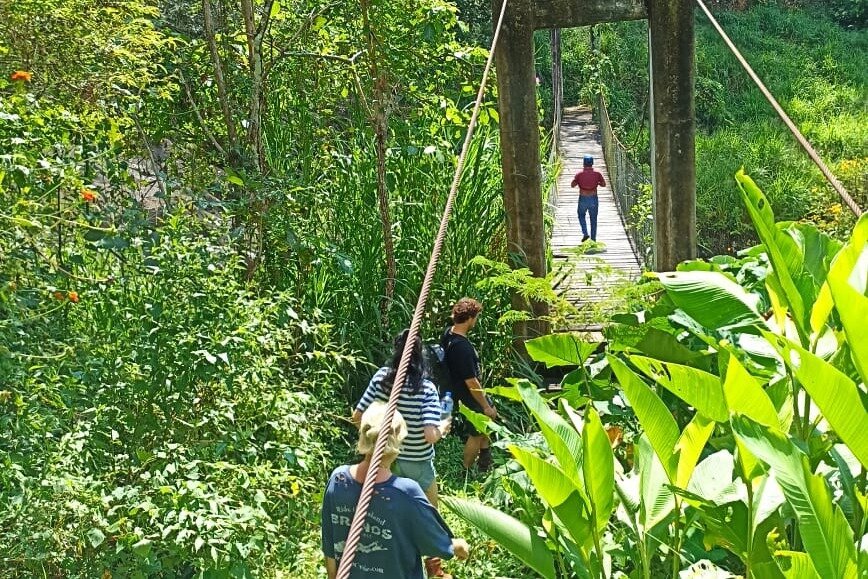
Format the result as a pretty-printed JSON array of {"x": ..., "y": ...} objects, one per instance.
[
  {"x": 21, "y": 75},
  {"x": 88, "y": 195},
  {"x": 59, "y": 295},
  {"x": 73, "y": 297}
]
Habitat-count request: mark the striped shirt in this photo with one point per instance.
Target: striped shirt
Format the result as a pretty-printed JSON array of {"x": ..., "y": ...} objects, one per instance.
[{"x": 419, "y": 409}]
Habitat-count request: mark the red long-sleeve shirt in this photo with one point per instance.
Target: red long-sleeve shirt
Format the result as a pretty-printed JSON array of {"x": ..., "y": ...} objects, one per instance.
[{"x": 588, "y": 180}]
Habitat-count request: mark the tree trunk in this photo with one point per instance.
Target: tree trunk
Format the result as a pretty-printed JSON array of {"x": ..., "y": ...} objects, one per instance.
[
  {"x": 222, "y": 92},
  {"x": 380, "y": 121},
  {"x": 255, "y": 35}
]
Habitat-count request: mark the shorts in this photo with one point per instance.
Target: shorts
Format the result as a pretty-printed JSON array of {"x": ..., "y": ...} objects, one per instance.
[
  {"x": 421, "y": 471},
  {"x": 468, "y": 429}
]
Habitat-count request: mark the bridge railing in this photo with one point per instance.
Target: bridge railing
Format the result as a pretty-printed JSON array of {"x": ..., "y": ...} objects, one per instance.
[
  {"x": 557, "y": 115},
  {"x": 629, "y": 186}
]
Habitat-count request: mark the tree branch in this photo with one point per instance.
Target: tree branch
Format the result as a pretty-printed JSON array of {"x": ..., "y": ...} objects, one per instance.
[
  {"x": 198, "y": 114},
  {"x": 222, "y": 93}
]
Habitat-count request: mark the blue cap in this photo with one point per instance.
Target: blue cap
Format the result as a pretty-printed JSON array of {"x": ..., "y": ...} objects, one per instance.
[{"x": 589, "y": 160}]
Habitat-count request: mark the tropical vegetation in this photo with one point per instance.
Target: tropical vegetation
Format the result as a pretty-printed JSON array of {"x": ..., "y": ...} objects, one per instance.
[
  {"x": 215, "y": 215},
  {"x": 721, "y": 428}
]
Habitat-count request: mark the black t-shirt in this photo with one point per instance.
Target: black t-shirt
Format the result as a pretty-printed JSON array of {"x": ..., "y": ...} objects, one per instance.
[{"x": 463, "y": 364}]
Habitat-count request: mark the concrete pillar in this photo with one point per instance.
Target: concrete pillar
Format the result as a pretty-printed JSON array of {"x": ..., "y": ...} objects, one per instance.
[
  {"x": 519, "y": 142},
  {"x": 671, "y": 49}
]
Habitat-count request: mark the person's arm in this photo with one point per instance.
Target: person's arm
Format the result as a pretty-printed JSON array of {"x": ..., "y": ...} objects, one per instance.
[
  {"x": 433, "y": 433},
  {"x": 600, "y": 180},
  {"x": 475, "y": 388},
  {"x": 332, "y": 567},
  {"x": 433, "y": 427},
  {"x": 575, "y": 180},
  {"x": 426, "y": 528},
  {"x": 327, "y": 532},
  {"x": 372, "y": 392}
]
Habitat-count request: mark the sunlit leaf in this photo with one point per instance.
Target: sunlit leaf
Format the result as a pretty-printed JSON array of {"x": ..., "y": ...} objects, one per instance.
[
  {"x": 658, "y": 423},
  {"x": 598, "y": 469},
  {"x": 827, "y": 537},
  {"x": 836, "y": 395},
  {"x": 513, "y": 535}
]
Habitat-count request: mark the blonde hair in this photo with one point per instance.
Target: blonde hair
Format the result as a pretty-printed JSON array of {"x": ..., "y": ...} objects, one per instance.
[{"x": 369, "y": 430}]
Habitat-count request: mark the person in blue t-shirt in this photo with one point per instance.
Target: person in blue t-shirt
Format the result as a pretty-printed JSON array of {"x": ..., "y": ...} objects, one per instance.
[{"x": 401, "y": 526}]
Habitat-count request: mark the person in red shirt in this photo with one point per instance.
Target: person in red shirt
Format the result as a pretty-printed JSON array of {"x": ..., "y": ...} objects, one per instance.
[{"x": 588, "y": 180}]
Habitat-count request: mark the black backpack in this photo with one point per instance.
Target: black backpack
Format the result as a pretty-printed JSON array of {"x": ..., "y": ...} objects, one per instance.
[{"x": 435, "y": 365}]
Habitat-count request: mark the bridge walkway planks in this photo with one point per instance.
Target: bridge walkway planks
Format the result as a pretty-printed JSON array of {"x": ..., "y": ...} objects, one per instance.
[{"x": 588, "y": 278}]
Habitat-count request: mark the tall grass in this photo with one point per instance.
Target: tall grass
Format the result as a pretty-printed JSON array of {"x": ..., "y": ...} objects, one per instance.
[{"x": 326, "y": 230}]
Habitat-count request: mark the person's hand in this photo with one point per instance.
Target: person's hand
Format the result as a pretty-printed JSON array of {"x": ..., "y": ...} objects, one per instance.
[
  {"x": 490, "y": 411},
  {"x": 445, "y": 426},
  {"x": 461, "y": 549}
]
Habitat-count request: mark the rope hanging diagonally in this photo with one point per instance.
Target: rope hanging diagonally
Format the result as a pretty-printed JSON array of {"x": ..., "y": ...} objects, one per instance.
[
  {"x": 367, "y": 493},
  {"x": 812, "y": 153}
]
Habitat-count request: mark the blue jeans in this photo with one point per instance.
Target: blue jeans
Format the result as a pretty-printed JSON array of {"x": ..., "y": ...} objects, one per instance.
[{"x": 589, "y": 204}]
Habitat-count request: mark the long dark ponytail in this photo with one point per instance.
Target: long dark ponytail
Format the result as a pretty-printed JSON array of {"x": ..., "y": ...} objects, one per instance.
[{"x": 416, "y": 371}]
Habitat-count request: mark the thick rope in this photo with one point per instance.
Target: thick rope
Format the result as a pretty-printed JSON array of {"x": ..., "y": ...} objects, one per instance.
[
  {"x": 355, "y": 534},
  {"x": 833, "y": 181}
]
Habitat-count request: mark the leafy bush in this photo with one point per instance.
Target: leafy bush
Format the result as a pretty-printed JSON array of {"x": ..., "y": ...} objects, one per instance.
[{"x": 155, "y": 411}]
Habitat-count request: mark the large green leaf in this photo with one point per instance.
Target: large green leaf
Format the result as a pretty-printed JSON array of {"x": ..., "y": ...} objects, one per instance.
[
  {"x": 598, "y": 467},
  {"x": 655, "y": 418},
  {"x": 563, "y": 440},
  {"x": 825, "y": 533},
  {"x": 665, "y": 346},
  {"x": 712, "y": 478},
  {"x": 818, "y": 249},
  {"x": 795, "y": 565},
  {"x": 656, "y": 500},
  {"x": 711, "y": 298},
  {"x": 697, "y": 388},
  {"x": 560, "y": 349},
  {"x": 789, "y": 279},
  {"x": 689, "y": 448},
  {"x": 745, "y": 395},
  {"x": 848, "y": 281},
  {"x": 553, "y": 486},
  {"x": 831, "y": 390},
  {"x": 557, "y": 491},
  {"x": 510, "y": 533}
]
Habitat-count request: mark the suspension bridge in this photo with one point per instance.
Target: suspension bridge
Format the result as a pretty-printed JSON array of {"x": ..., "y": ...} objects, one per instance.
[{"x": 589, "y": 271}]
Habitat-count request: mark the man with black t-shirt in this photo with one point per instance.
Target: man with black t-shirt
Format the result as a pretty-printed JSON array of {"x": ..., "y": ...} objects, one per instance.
[{"x": 463, "y": 364}]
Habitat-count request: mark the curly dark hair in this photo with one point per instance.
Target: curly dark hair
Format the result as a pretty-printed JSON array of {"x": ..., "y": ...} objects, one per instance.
[
  {"x": 465, "y": 309},
  {"x": 415, "y": 372}
]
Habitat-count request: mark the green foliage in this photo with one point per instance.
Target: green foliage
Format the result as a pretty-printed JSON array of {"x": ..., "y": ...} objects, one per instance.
[
  {"x": 101, "y": 55},
  {"x": 155, "y": 410},
  {"x": 173, "y": 373},
  {"x": 521, "y": 541},
  {"x": 853, "y": 13}
]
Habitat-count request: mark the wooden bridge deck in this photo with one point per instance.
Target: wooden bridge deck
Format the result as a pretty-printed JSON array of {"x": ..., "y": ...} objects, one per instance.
[{"x": 587, "y": 279}]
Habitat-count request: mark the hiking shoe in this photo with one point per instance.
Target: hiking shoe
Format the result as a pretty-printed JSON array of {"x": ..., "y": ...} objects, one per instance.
[
  {"x": 585, "y": 238},
  {"x": 434, "y": 568},
  {"x": 484, "y": 462}
]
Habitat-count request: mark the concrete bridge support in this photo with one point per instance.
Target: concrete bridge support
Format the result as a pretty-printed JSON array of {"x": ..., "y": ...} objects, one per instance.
[{"x": 671, "y": 48}]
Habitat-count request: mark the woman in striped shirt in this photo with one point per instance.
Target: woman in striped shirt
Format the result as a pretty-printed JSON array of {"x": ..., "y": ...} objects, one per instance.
[{"x": 419, "y": 404}]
